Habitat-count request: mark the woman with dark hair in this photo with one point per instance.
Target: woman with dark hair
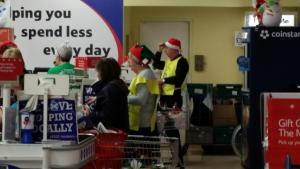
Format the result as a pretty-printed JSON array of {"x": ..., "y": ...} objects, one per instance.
[{"x": 110, "y": 104}]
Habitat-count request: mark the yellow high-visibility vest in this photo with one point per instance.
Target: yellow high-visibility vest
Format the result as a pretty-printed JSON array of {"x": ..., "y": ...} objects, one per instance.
[
  {"x": 169, "y": 71},
  {"x": 134, "y": 110}
]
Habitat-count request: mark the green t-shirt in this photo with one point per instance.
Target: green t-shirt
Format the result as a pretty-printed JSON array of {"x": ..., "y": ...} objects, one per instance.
[{"x": 58, "y": 69}]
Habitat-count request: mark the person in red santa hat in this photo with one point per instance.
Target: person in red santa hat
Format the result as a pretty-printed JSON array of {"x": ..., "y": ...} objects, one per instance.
[{"x": 175, "y": 69}]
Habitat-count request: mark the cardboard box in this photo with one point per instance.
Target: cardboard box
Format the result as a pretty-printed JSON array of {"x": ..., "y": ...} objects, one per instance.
[
  {"x": 223, "y": 111},
  {"x": 224, "y": 115}
]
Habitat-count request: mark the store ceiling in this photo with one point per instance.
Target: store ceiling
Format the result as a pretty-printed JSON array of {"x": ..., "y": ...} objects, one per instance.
[{"x": 203, "y": 3}]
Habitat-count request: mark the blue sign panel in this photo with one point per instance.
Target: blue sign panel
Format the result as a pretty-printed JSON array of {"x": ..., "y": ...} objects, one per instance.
[
  {"x": 62, "y": 122},
  {"x": 86, "y": 93}
]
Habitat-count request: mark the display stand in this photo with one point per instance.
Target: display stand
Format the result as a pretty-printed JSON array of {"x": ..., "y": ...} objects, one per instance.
[
  {"x": 274, "y": 67},
  {"x": 10, "y": 69},
  {"x": 49, "y": 153}
]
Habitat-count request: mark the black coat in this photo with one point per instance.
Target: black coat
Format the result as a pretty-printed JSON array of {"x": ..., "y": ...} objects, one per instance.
[{"x": 111, "y": 106}]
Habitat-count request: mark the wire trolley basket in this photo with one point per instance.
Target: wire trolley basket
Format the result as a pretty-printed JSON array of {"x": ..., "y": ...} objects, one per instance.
[
  {"x": 170, "y": 119},
  {"x": 121, "y": 151}
]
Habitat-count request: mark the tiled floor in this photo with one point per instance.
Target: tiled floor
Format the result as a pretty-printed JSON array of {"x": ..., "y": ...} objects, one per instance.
[{"x": 194, "y": 160}]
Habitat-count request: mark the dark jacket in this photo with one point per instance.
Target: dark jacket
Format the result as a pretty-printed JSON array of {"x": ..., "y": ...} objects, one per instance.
[{"x": 111, "y": 106}]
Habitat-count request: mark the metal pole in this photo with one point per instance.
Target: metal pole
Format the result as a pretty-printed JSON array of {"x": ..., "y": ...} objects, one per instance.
[
  {"x": 45, "y": 164},
  {"x": 45, "y": 115},
  {"x": 6, "y": 104}
]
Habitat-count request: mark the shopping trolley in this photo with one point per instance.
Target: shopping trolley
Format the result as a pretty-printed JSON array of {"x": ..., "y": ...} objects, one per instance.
[
  {"x": 169, "y": 123},
  {"x": 170, "y": 119},
  {"x": 118, "y": 150}
]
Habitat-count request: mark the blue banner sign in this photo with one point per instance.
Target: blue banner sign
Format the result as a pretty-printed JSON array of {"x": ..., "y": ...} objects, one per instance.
[
  {"x": 86, "y": 93},
  {"x": 62, "y": 122}
]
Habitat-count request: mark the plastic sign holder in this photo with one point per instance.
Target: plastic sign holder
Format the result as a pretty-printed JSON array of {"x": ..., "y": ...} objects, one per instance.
[
  {"x": 46, "y": 85},
  {"x": 10, "y": 70}
]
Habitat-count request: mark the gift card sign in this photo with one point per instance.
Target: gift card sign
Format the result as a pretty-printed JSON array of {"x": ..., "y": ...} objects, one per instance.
[
  {"x": 10, "y": 69},
  {"x": 62, "y": 122},
  {"x": 86, "y": 62},
  {"x": 283, "y": 130}
]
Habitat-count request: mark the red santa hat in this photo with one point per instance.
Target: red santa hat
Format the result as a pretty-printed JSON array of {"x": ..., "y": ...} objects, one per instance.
[
  {"x": 141, "y": 54},
  {"x": 173, "y": 43},
  {"x": 136, "y": 51}
]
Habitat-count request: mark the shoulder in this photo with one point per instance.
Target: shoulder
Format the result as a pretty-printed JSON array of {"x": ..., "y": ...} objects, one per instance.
[
  {"x": 59, "y": 68},
  {"x": 66, "y": 66},
  {"x": 148, "y": 74},
  {"x": 113, "y": 85},
  {"x": 69, "y": 66},
  {"x": 183, "y": 61},
  {"x": 55, "y": 70}
]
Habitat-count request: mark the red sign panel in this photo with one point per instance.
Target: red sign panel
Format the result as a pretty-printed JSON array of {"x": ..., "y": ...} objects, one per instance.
[
  {"x": 6, "y": 34},
  {"x": 10, "y": 69},
  {"x": 86, "y": 62},
  {"x": 283, "y": 128}
]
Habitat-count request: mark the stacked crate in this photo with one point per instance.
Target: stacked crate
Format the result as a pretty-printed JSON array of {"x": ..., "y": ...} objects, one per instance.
[
  {"x": 225, "y": 112},
  {"x": 200, "y": 130},
  {"x": 213, "y": 127}
]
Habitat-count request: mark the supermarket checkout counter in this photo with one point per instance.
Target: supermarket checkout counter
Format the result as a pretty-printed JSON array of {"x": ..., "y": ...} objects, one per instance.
[{"x": 38, "y": 146}]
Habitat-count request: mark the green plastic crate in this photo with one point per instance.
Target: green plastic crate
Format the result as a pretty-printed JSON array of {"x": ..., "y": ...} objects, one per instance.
[
  {"x": 222, "y": 135},
  {"x": 227, "y": 91},
  {"x": 200, "y": 135},
  {"x": 199, "y": 89}
]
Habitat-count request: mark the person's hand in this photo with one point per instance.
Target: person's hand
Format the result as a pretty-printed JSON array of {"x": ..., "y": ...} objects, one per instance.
[
  {"x": 160, "y": 82},
  {"x": 91, "y": 99},
  {"x": 161, "y": 47},
  {"x": 86, "y": 110}
]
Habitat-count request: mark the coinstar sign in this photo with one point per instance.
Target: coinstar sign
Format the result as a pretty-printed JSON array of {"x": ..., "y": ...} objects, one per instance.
[{"x": 93, "y": 28}]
